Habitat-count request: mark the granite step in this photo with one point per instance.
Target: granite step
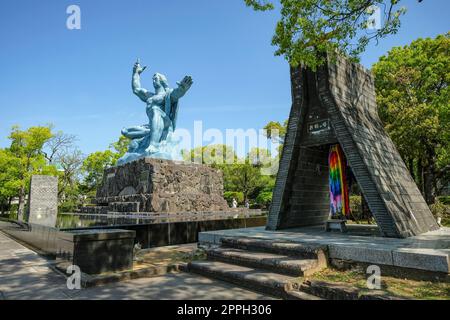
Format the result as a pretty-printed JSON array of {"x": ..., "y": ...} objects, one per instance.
[
  {"x": 274, "y": 284},
  {"x": 308, "y": 251},
  {"x": 300, "y": 295},
  {"x": 282, "y": 264}
]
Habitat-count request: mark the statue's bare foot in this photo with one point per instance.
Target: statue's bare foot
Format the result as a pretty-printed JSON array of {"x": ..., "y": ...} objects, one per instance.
[{"x": 152, "y": 149}]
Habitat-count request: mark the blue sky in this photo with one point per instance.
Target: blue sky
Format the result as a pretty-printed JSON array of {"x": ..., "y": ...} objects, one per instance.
[{"x": 79, "y": 80}]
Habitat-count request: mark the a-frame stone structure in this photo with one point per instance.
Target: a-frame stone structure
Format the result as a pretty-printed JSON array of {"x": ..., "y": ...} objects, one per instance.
[{"x": 336, "y": 104}]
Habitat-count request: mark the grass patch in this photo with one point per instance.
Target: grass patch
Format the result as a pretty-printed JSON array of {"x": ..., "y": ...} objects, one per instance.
[
  {"x": 168, "y": 255},
  {"x": 405, "y": 288}
]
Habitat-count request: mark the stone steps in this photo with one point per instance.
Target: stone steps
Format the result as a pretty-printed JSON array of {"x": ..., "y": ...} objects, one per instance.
[
  {"x": 281, "y": 264},
  {"x": 267, "y": 266},
  {"x": 299, "y": 250},
  {"x": 300, "y": 295},
  {"x": 270, "y": 283}
]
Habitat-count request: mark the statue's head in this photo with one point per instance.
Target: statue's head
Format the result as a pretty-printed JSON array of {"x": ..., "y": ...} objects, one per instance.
[{"x": 160, "y": 80}]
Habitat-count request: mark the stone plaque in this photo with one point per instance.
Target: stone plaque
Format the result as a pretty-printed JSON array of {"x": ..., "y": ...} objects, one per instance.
[
  {"x": 318, "y": 126},
  {"x": 43, "y": 200}
]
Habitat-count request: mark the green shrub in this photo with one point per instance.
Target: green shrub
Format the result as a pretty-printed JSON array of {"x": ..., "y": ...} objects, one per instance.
[
  {"x": 440, "y": 210},
  {"x": 355, "y": 207},
  {"x": 444, "y": 199},
  {"x": 67, "y": 206},
  {"x": 229, "y": 195},
  {"x": 355, "y": 204},
  {"x": 264, "y": 198}
]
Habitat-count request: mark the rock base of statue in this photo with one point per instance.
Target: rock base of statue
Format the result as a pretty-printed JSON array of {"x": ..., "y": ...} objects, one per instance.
[{"x": 154, "y": 185}]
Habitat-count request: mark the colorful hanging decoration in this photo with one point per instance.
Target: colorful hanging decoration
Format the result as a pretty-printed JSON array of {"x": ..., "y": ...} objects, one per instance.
[{"x": 339, "y": 198}]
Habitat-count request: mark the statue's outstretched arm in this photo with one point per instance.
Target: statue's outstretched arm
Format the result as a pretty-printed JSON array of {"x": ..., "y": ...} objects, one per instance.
[
  {"x": 142, "y": 93},
  {"x": 183, "y": 87}
]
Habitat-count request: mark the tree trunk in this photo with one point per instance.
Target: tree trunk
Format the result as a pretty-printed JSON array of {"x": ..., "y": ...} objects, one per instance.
[
  {"x": 21, "y": 209},
  {"x": 411, "y": 168},
  {"x": 429, "y": 183},
  {"x": 429, "y": 179},
  {"x": 420, "y": 176},
  {"x": 9, "y": 204}
]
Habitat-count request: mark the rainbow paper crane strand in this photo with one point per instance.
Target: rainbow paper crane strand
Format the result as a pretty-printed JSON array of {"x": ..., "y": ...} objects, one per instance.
[{"x": 339, "y": 199}]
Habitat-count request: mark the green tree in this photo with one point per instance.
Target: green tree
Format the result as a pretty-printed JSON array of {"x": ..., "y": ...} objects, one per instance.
[
  {"x": 264, "y": 198},
  {"x": 93, "y": 167},
  {"x": 215, "y": 155},
  {"x": 120, "y": 147},
  {"x": 243, "y": 176},
  {"x": 309, "y": 28},
  {"x": 413, "y": 99},
  {"x": 62, "y": 152},
  {"x": 9, "y": 178},
  {"x": 276, "y": 130},
  {"x": 69, "y": 161},
  {"x": 27, "y": 150}
]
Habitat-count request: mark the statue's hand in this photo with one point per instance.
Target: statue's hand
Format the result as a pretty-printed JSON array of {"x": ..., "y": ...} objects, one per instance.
[
  {"x": 186, "y": 83},
  {"x": 137, "y": 68}
]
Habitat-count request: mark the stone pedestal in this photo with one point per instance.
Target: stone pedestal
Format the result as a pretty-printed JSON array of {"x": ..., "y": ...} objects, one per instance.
[{"x": 154, "y": 185}]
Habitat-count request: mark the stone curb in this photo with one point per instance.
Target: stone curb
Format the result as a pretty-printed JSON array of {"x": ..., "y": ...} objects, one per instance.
[
  {"x": 334, "y": 291},
  {"x": 88, "y": 280}
]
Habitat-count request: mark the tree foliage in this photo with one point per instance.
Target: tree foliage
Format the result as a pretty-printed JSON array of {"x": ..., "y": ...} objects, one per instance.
[
  {"x": 243, "y": 177},
  {"x": 413, "y": 99},
  {"x": 93, "y": 168},
  {"x": 309, "y": 28},
  {"x": 24, "y": 158},
  {"x": 120, "y": 147},
  {"x": 276, "y": 130}
]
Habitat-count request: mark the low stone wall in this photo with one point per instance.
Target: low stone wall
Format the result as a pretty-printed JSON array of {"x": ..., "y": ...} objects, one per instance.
[
  {"x": 180, "y": 232},
  {"x": 97, "y": 250}
]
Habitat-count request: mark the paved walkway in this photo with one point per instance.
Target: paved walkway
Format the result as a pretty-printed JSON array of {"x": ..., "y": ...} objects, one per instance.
[{"x": 26, "y": 275}]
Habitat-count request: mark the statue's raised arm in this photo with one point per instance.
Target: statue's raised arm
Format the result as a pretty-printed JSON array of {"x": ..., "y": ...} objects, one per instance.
[
  {"x": 142, "y": 93},
  {"x": 183, "y": 87}
]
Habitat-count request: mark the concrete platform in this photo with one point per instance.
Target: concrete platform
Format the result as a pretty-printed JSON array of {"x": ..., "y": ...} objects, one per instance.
[{"x": 429, "y": 251}]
